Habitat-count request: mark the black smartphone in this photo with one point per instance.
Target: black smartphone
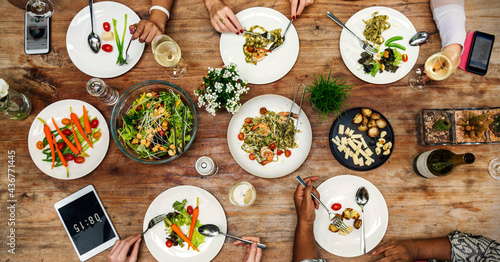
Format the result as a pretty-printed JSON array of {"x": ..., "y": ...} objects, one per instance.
[
  {"x": 36, "y": 35},
  {"x": 480, "y": 52}
]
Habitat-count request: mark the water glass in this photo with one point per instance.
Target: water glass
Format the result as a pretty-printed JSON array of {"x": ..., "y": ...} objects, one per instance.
[
  {"x": 494, "y": 168},
  {"x": 15, "y": 105}
]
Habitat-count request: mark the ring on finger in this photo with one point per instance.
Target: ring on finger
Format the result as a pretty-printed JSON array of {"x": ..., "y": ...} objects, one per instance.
[{"x": 221, "y": 20}]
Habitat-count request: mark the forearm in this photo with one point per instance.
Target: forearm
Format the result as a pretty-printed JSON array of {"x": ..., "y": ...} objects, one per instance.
[
  {"x": 304, "y": 245},
  {"x": 437, "y": 248},
  {"x": 449, "y": 16},
  {"x": 158, "y": 17},
  {"x": 210, "y": 3}
]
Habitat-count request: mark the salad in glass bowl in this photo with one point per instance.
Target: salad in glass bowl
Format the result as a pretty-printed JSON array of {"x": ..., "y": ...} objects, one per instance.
[{"x": 154, "y": 122}]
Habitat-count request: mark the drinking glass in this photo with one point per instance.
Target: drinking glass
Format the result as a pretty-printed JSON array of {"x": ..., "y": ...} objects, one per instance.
[
  {"x": 494, "y": 168},
  {"x": 15, "y": 105},
  {"x": 242, "y": 194},
  {"x": 40, "y": 9},
  {"x": 168, "y": 54},
  {"x": 438, "y": 66}
]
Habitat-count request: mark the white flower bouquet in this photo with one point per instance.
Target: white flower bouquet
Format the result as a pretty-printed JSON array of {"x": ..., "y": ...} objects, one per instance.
[{"x": 222, "y": 87}]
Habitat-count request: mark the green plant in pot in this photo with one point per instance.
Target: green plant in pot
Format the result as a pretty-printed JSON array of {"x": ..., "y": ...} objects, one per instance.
[{"x": 328, "y": 95}]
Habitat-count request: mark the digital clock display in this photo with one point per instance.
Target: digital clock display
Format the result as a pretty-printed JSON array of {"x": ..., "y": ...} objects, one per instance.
[{"x": 86, "y": 222}]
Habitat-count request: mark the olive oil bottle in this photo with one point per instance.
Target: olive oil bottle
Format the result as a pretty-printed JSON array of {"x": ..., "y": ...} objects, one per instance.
[{"x": 439, "y": 162}]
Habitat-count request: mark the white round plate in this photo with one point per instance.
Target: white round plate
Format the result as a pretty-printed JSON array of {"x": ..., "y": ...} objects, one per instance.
[
  {"x": 102, "y": 64},
  {"x": 211, "y": 212},
  {"x": 278, "y": 63},
  {"x": 59, "y": 110},
  {"x": 285, "y": 165},
  {"x": 351, "y": 50},
  {"x": 342, "y": 189}
]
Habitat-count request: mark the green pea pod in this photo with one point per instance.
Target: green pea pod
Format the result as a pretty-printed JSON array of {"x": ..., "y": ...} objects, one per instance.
[
  {"x": 396, "y": 46},
  {"x": 392, "y": 39}
]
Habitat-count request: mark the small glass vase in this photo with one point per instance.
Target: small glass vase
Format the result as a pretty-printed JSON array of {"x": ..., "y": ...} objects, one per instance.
[{"x": 15, "y": 105}]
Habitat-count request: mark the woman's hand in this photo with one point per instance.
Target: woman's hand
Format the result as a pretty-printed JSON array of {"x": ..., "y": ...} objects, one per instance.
[
  {"x": 120, "y": 249},
  {"x": 298, "y": 6},
  {"x": 304, "y": 203},
  {"x": 253, "y": 253},
  {"x": 146, "y": 30},
  {"x": 397, "y": 251},
  {"x": 222, "y": 17}
]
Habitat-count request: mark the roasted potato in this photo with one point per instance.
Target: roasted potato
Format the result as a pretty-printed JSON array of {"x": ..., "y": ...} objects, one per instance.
[
  {"x": 366, "y": 112},
  {"x": 373, "y": 131},
  {"x": 365, "y": 121},
  {"x": 357, "y": 118},
  {"x": 381, "y": 123},
  {"x": 372, "y": 123},
  {"x": 354, "y": 214},
  {"x": 333, "y": 228},
  {"x": 362, "y": 128},
  {"x": 357, "y": 223},
  {"x": 375, "y": 116},
  {"x": 347, "y": 213}
]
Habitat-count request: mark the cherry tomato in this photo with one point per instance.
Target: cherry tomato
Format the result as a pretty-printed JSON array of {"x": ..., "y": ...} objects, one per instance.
[
  {"x": 79, "y": 159},
  {"x": 107, "y": 48},
  {"x": 272, "y": 146},
  {"x": 288, "y": 153},
  {"x": 161, "y": 132},
  {"x": 61, "y": 145},
  {"x": 251, "y": 156},
  {"x": 241, "y": 136},
  {"x": 106, "y": 26},
  {"x": 189, "y": 209},
  {"x": 66, "y": 132},
  {"x": 39, "y": 145},
  {"x": 336, "y": 206},
  {"x": 250, "y": 48},
  {"x": 66, "y": 121},
  {"x": 279, "y": 152},
  {"x": 248, "y": 120},
  {"x": 97, "y": 135},
  {"x": 94, "y": 123},
  {"x": 405, "y": 57},
  {"x": 263, "y": 110},
  {"x": 69, "y": 157},
  {"x": 169, "y": 243}
]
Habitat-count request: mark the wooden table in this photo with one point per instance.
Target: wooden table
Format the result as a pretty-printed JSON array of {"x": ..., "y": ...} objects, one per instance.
[{"x": 466, "y": 200}]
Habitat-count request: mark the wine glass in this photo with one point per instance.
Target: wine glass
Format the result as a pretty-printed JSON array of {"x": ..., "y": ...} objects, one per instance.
[
  {"x": 40, "y": 9},
  {"x": 168, "y": 54},
  {"x": 438, "y": 66},
  {"x": 494, "y": 168}
]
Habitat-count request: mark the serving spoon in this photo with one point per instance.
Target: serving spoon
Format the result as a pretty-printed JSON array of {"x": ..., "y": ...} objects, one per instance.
[
  {"x": 361, "y": 199},
  {"x": 210, "y": 230},
  {"x": 93, "y": 39}
]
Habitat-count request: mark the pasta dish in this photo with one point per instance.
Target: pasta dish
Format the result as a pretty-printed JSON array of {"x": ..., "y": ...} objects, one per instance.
[
  {"x": 256, "y": 47},
  {"x": 374, "y": 28}
]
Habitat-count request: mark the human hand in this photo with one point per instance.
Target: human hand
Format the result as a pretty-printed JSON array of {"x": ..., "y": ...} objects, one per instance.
[
  {"x": 298, "y": 6},
  {"x": 397, "y": 251},
  {"x": 252, "y": 254},
  {"x": 120, "y": 249},
  {"x": 146, "y": 31},
  {"x": 304, "y": 203},
  {"x": 222, "y": 17}
]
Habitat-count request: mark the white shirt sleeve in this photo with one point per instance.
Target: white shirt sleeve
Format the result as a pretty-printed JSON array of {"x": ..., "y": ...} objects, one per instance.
[{"x": 450, "y": 21}]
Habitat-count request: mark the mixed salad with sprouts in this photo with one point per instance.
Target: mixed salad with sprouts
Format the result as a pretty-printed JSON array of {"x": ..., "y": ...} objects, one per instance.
[{"x": 154, "y": 122}]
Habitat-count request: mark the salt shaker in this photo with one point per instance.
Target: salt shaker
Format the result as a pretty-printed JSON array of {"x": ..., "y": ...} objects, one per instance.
[{"x": 96, "y": 87}]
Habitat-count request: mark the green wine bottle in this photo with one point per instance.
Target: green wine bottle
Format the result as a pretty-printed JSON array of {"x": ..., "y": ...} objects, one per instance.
[{"x": 439, "y": 162}]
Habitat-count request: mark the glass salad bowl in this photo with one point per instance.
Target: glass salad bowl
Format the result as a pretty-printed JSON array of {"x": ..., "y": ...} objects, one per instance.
[{"x": 143, "y": 126}]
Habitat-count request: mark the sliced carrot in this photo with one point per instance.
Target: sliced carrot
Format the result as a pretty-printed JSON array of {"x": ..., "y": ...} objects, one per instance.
[
  {"x": 86, "y": 122},
  {"x": 66, "y": 140},
  {"x": 76, "y": 120},
  {"x": 48, "y": 135},
  {"x": 196, "y": 212},
  {"x": 178, "y": 231},
  {"x": 59, "y": 153},
  {"x": 75, "y": 136}
]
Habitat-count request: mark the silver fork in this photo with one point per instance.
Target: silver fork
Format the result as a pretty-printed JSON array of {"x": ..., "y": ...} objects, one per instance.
[
  {"x": 157, "y": 219},
  {"x": 126, "y": 51},
  {"x": 273, "y": 47},
  {"x": 364, "y": 45},
  {"x": 266, "y": 35},
  {"x": 337, "y": 222}
]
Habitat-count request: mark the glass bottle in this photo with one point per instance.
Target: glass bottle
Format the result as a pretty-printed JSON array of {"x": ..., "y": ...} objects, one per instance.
[
  {"x": 96, "y": 87},
  {"x": 439, "y": 162}
]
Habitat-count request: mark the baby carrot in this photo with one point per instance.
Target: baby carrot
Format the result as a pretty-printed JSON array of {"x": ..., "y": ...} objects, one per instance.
[
  {"x": 178, "y": 231},
  {"x": 77, "y": 142},
  {"x": 63, "y": 161},
  {"x": 48, "y": 135},
  {"x": 65, "y": 139},
  {"x": 86, "y": 122},
  {"x": 196, "y": 212},
  {"x": 76, "y": 120}
]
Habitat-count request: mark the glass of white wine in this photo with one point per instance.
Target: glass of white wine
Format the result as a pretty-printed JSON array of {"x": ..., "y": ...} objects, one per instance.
[
  {"x": 40, "y": 9},
  {"x": 438, "y": 66},
  {"x": 168, "y": 54},
  {"x": 494, "y": 168}
]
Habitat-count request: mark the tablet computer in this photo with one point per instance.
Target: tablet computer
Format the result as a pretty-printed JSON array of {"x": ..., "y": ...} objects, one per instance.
[{"x": 86, "y": 222}]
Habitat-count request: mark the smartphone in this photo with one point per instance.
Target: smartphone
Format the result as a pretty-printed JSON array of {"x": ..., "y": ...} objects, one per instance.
[
  {"x": 36, "y": 35},
  {"x": 480, "y": 52}
]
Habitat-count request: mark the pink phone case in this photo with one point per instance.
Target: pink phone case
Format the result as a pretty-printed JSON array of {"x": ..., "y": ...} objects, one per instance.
[{"x": 465, "y": 53}]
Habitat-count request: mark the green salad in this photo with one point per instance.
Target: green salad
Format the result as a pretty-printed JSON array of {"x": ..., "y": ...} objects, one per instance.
[
  {"x": 150, "y": 126},
  {"x": 182, "y": 219}
]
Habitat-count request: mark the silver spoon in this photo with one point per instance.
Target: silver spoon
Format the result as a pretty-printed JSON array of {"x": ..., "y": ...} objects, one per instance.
[
  {"x": 94, "y": 41},
  {"x": 210, "y": 230},
  {"x": 420, "y": 38},
  {"x": 361, "y": 199}
]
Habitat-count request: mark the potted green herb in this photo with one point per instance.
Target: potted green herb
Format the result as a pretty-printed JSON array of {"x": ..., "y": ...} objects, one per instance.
[{"x": 328, "y": 95}]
